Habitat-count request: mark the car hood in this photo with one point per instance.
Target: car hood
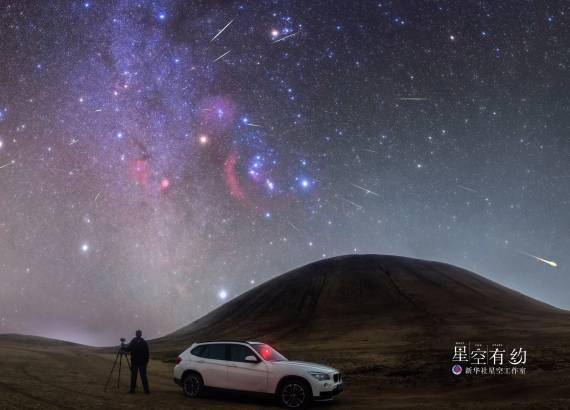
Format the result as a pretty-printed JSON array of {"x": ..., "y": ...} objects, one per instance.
[{"x": 310, "y": 367}]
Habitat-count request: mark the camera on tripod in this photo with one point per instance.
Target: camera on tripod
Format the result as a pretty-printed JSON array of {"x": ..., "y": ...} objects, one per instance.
[{"x": 119, "y": 358}]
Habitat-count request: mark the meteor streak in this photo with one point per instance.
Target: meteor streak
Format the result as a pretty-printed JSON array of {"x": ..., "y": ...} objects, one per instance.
[
  {"x": 548, "y": 262},
  {"x": 97, "y": 196},
  {"x": 283, "y": 38},
  {"x": 294, "y": 227},
  {"x": 412, "y": 98},
  {"x": 359, "y": 207},
  {"x": 5, "y": 165},
  {"x": 222, "y": 56},
  {"x": 467, "y": 188},
  {"x": 253, "y": 125},
  {"x": 365, "y": 190},
  {"x": 222, "y": 30}
]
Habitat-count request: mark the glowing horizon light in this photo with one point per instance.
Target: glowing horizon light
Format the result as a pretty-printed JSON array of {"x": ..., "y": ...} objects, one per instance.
[{"x": 223, "y": 294}]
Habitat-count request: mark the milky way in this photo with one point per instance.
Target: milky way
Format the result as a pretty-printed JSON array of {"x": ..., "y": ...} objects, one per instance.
[{"x": 158, "y": 158}]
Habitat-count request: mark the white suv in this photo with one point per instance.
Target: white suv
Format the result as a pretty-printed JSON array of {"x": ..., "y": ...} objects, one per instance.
[{"x": 254, "y": 367}]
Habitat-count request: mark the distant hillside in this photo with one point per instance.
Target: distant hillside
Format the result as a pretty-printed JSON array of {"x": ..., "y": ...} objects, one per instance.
[
  {"x": 367, "y": 301},
  {"x": 34, "y": 340}
]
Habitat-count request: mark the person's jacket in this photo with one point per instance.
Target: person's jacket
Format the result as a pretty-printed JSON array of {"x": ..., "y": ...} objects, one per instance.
[{"x": 139, "y": 351}]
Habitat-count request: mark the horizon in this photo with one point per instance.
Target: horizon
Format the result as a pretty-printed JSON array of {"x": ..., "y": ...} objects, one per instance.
[{"x": 84, "y": 340}]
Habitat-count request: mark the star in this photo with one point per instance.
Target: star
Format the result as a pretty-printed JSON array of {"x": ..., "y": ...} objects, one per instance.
[
  {"x": 203, "y": 139},
  {"x": 164, "y": 184}
]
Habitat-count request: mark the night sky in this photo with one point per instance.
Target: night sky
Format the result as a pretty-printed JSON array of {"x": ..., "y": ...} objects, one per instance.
[{"x": 158, "y": 157}]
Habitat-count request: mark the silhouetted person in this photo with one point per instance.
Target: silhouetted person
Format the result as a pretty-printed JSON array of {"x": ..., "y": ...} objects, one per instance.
[{"x": 139, "y": 359}]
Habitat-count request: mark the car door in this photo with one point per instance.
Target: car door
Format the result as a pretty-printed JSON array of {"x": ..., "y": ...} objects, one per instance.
[
  {"x": 214, "y": 365},
  {"x": 246, "y": 376}
]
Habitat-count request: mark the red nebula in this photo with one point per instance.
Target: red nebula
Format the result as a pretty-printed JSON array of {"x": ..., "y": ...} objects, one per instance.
[
  {"x": 140, "y": 171},
  {"x": 232, "y": 180},
  {"x": 164, "y": 184}
]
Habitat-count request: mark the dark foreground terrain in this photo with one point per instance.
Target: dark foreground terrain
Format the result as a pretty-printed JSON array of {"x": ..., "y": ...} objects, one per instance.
[{"x": 389, "y": 323}]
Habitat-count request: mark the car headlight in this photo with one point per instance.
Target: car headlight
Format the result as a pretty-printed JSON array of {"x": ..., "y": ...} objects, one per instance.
[{"x": 320, "y": 376}]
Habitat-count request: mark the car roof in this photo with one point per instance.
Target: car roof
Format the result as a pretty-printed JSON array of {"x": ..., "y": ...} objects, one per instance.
[{"x": 226, "y": 341}]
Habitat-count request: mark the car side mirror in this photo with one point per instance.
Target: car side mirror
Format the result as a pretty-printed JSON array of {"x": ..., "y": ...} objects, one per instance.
[{"x": 251, "y": 359}]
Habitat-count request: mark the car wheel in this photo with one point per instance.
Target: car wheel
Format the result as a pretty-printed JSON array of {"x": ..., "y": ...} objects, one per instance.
[
  {"x": 295, "y": 394},
  {"x": 193, "y": 385}
]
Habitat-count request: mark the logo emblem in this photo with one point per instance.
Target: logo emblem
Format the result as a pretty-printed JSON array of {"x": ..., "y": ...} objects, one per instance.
[{"x": 457, "y": 370}]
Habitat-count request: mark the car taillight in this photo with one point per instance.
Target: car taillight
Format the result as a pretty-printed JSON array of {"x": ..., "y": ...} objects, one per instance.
[{"x": 178, "y": 360}]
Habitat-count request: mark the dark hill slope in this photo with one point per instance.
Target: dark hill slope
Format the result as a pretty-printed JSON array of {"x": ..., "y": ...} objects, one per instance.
[{"x": 373, "y": 302}]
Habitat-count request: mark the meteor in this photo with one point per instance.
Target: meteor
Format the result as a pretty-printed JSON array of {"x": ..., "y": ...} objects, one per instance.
[
  {"x": 365, "y": 190},
  {"x": 283, "y": 38},
  {"x": 98, "y": 195},
  {"x": 359, "y": 207},
  {"x": 548, "y": 262},
  {"x": 294, "y": 227},
  {"x": 222, "y": 30},
  {"x": 72, "y": 141},
  {"x": 412, "y": 98},
  {"x": 222, "y": 56},
  {"x": 467, "y": 188},
  {"x": 253, "y": 125},
  {"x": 6, "y": 165}
]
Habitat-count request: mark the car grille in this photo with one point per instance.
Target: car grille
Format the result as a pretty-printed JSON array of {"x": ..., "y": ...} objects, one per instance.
[{"x": 337, "y": 377}]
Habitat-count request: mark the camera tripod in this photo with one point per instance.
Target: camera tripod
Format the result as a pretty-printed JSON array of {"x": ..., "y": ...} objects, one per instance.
[{"x": 118, "y": 358}]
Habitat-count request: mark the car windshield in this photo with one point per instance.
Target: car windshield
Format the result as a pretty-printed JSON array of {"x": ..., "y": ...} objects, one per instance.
[{"x": 268, "y": 353}]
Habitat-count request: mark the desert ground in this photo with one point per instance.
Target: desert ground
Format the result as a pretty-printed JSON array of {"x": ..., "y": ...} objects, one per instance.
[
  {"x": 388, "y": 323},
  {"x": 43, "y": 374}
]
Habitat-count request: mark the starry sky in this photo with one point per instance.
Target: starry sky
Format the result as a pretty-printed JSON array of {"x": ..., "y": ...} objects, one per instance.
[{"x": 160, "y": 157}]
